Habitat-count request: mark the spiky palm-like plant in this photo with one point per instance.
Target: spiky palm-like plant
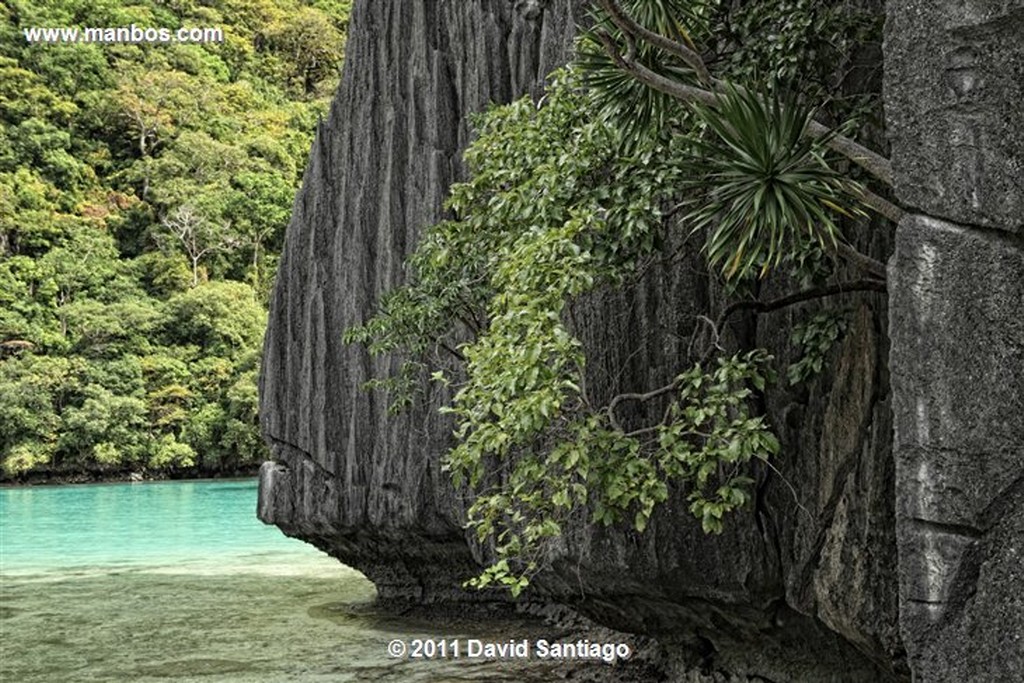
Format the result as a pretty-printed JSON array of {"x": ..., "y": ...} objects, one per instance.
[
  {"x": 763, "y": 187},
  {"x": 636, "y": 108},
  {"x": 761, "y": 175}
]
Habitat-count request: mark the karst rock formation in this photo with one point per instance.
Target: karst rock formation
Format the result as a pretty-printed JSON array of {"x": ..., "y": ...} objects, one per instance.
[{"x": 892, "y": 544}]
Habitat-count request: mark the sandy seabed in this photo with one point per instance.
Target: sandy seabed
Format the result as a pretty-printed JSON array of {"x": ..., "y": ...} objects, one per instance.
[{"x": 260, "y": 620}]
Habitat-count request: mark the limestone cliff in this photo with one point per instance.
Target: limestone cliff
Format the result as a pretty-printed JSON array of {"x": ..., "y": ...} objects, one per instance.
[
  {"x": 361, "y": 483},
  {"x": 954, "y": 93},
  {"x": 802, "y": 586}
]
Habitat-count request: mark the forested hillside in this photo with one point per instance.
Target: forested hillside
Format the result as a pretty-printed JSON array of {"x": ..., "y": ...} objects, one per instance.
[{"x": 144, "y": 193}]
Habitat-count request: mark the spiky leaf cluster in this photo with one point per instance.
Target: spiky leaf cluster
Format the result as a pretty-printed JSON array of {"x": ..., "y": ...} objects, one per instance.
[
  {"x": 764, "y": 187},
  {"x": 634, "y": 108},
  {"x": 553, "y": 208}
]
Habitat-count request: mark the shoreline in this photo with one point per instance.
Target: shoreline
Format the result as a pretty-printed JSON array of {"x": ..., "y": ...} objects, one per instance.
[{"x": 125, "y": 476}]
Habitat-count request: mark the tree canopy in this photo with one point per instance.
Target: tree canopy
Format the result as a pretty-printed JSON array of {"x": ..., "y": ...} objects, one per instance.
[{"x": 144, "y": 193}]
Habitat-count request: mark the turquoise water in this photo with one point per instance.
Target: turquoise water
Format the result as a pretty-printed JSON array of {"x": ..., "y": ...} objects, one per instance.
[
  {"x": 178, "y": 581},
  {"x": 167, "y": 524}
]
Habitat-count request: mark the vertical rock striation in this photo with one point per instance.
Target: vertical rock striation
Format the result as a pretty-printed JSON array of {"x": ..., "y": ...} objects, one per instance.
[
  {"x": 360, "y": 483},
  {"x": 954, "y": 88},
  {"x": 802, "y": 586}
]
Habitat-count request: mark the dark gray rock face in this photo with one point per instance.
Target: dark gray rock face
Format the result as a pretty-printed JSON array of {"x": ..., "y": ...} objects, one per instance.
[
  {"x": 360, "y": 483},
  {"x": 954, "y": 74},
  {"x": 954, "y": 93},
  {"x": 801, "y": 586},
  {"x": 958, "y": 372}
]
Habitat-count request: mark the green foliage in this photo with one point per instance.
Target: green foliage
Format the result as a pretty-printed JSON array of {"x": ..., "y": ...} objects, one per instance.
[
  {"x": 554, "y": 208},
  {"x": 705, "y": 443},
  {"x": 803, "y": 46},
  {"x": 171, "y": 453},
  {"x": 766, "y": 190},
  {"x": 310, "y": 41},
  {"x": 566, "y": 196},
  {"x": 145, "y": 385},
  {"x": 798, "y": 46},
  {"x": 551, "y": 209},
  {"x": 223, "y": 318},
  {"x": 764, "y": 187},
  {"x": 29, "y": 422},
  {"x": 633, "y": 107},
  {"x": 129, "y": 338},
  {"x": 815, "y": 338}
]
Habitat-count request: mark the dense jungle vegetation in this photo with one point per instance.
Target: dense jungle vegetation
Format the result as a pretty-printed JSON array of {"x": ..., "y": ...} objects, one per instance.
[{"x": 144, "y": 193}]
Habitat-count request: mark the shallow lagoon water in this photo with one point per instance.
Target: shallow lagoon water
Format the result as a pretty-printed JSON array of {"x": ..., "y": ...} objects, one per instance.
[{"x": 178, "y": 581}]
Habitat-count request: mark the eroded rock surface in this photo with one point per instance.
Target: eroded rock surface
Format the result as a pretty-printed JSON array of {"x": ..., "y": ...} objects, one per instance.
[
  {"x": 803, "y": 586},
  {"x": 954, "y": 87},
  {"x": 360, "y": 483},
  {"x": 954, "y": 93},
  {"x": 800, "y": 586},
  {"x": 958, "y": 371}
]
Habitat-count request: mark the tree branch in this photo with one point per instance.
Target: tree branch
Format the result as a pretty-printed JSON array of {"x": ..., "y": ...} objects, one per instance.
[
  {"x": 452, "y": 351},
  {"x": 628, "y": 63},
  {"x": 872, "y": 162},
  {"x": 639, "y": 398},
  {"x": 879, "y": 204},
  {"x": 758, "y": 307},
  {"x": 684, "y": 52},
  {"x": 864, "y": 262},
  {"x": 800, "y": 297}
]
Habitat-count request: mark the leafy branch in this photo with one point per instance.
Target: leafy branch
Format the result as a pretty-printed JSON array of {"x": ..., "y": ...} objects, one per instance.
[
  {"x": 711, "y": 89},
  {"x": 751, "y": 305},
  {"x": 561, "y": 199}
]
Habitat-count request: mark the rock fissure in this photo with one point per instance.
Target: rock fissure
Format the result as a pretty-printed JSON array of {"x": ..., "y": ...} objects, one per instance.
[
  {"x": 917, "y": 487},
  {"x": 934, "y": 526}
]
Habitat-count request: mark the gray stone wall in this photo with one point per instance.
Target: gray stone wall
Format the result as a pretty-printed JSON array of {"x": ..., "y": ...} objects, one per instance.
[
  {"x": 955, "y": 109},
  {"x": 361, "y": 483},
  {"x": 955, "y": 83},
  {"x": 803, "y": 585},
  {"x": 800, "y": 587}
]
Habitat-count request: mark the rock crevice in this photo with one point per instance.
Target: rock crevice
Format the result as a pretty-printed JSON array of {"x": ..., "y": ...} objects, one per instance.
[
  {"x": 954, "y": 86},
  {"x": 893, "y": 514}
]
